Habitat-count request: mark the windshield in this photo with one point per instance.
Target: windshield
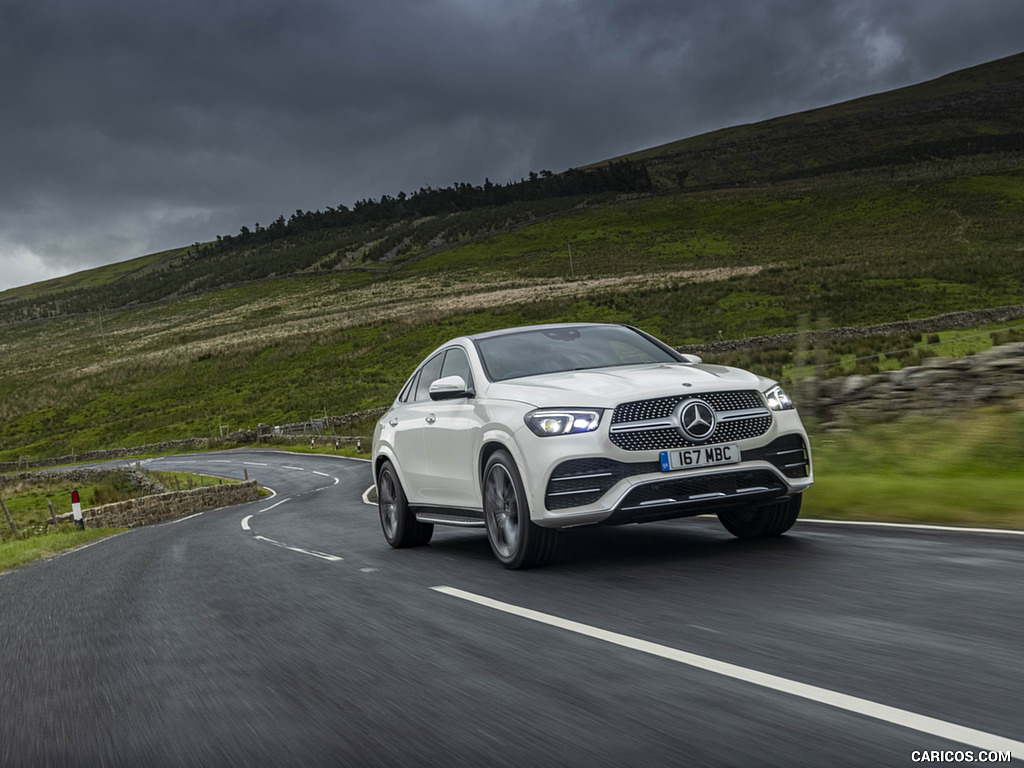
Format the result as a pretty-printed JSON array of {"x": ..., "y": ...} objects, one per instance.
[{"x": 551, "y": 350}]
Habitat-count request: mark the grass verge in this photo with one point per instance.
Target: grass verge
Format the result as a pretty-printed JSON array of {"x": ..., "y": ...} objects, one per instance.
[
  {"x": 18, "y": 552},
  {"x": 963, "y": 471}
]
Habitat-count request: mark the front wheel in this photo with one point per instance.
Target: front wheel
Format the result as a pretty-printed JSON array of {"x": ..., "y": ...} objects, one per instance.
[
  {"x": 400, "y": 526},
  {"x": 516, "y": 540},
  {"x": 764, "y": 521}
]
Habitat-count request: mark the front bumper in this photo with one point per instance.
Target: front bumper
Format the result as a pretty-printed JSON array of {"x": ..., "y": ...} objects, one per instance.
[{"x": 596, "y": 488}]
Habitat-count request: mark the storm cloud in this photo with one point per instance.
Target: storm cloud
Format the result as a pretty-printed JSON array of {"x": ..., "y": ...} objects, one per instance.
[{"x": 132, "y": 126}]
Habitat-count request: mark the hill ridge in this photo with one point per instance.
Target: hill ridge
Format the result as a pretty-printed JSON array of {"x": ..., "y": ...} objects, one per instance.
[{"x": 972, "y": 112}]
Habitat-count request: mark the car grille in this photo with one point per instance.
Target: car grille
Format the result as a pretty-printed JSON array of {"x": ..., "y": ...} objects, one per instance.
[{"x": 650, "y": 425}]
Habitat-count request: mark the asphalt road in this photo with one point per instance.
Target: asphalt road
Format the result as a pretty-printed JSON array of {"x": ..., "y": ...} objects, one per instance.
[{"x": 286, "y": 632}]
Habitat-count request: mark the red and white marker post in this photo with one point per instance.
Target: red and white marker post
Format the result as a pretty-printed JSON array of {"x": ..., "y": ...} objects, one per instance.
[{"x": 76, "y": 509}]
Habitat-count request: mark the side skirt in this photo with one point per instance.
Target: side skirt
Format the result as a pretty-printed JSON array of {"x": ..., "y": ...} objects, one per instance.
[{"x": 463, "y": 518}]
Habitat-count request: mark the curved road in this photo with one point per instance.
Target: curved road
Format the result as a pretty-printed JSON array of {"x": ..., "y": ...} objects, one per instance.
[{"x": 286, "y": 632}]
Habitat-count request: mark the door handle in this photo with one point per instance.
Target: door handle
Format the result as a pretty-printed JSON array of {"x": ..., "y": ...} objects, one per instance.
[
  {"x": 393, "y": 422},
  {"x": 431, "y": 419}
]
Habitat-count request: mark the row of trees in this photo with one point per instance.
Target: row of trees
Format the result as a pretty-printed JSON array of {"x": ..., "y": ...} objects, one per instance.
[{"x": 621, "y": 177}]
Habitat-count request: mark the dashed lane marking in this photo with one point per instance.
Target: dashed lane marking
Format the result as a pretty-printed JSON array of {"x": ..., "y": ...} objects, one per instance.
[{"x": 321, "y": 555}]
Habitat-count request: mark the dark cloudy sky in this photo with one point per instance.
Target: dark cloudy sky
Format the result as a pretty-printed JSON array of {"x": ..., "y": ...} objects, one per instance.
[{"x": 132, "y": 126}]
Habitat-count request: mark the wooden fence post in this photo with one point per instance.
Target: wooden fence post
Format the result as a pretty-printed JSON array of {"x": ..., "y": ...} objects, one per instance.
[
  {"x": 10, "y": 520},
  {"x": 53, "y": 515}
]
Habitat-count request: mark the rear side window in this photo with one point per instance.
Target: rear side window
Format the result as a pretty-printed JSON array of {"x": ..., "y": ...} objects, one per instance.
[{"x": 408, "y": 389}]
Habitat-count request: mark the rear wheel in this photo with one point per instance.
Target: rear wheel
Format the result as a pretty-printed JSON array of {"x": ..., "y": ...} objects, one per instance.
[
  {"x": 516, "y": 540},
  {"x": 764, "y": 521},
  {"x": 400, "y": 526}
]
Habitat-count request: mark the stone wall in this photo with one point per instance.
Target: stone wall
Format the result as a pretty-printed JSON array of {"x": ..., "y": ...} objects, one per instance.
[
  {"x": 147, "y": 510},
  {"x": 143, "y": 483},
  {"x": 941, "y": 386}
]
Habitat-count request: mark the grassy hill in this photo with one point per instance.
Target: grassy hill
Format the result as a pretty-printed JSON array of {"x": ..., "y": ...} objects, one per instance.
[{"x": 902, "y": 205}]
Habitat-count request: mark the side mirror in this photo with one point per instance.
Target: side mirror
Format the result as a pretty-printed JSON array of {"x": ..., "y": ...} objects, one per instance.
[
  {"x": 449, "y": 388},
  {"x": 692, "y": 359}
]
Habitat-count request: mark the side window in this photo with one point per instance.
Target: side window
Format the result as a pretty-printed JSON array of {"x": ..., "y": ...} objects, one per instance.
[
  {"x": 456, "y": 363},
  {"x": 408, "y": 389},
  {"x": 429, "y": 373}
]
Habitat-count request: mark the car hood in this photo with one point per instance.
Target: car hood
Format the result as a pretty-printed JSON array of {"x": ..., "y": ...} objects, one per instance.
[{"x": 607, "y": 387}]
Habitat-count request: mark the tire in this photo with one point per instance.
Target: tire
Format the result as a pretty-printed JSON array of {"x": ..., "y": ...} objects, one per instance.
[
  {"x": 516, "y": 540},
  {"x": 398, "y": 522},
  {"x": 762, "y": 522}
]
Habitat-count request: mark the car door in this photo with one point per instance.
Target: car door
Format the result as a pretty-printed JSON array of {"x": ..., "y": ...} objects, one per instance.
[
  {"x": 451, "y": 441},
  {"x": 408, "y": 423}
]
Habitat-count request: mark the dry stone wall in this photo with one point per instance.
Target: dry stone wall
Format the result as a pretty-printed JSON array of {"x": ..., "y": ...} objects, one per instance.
[
  {"x": 147, "y": 510},
  {"x": 143, "y": 483},
  {"x": 942, "y": 386}
]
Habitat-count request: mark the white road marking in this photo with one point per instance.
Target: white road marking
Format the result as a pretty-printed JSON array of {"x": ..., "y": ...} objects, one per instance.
[
  {"x": 322, "y": 474},
  {"x": 913, "y": 526},
  {"x": 255, "y": 464},
  {"x": 282, "y": 501},
  {"x": 366, "y": 495},
  {"x": 245, "y": 523},
  {"x": 924, "y": 724},
  {"x": 181, "y": 519},
  {"x": 297, "y": 469},
  {"x": 321, "y": 555}
]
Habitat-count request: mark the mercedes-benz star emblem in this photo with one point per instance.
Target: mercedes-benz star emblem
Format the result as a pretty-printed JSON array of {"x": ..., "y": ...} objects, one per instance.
[{"x": 697, "y": 420}]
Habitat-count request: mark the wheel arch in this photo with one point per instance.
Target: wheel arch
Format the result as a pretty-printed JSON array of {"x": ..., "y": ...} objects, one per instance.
[
  {"x": 378, "y": 462},
  {"x": 492, "y": 442}
]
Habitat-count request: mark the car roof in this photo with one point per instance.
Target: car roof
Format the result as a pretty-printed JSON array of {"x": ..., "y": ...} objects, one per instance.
[{"x": 523, "y": 328}]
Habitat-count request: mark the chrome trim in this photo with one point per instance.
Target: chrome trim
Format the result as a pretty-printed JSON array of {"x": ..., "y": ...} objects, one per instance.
[
  {"x": 574, "y": 493},
  {"x": 746, "y": 413},
  {"x": 582, "y": 477},
  {"x": 455, "y": 520},
  {"x": 634, "y": 426}
]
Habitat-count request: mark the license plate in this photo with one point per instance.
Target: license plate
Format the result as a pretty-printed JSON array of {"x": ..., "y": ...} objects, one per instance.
[{"x": 706, "y": 456}]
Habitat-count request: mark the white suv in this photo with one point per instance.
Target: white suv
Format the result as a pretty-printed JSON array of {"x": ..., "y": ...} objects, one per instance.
[{"x": 526, "y": 431}]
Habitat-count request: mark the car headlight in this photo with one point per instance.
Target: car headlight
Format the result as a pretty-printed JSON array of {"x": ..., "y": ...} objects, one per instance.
[
  {"x": 546, "y": 423},
  {"x": 778, "y": 400}
]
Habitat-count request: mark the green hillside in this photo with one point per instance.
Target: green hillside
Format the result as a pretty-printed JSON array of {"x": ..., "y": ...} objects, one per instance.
[{"x": 903, "y": 205}]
